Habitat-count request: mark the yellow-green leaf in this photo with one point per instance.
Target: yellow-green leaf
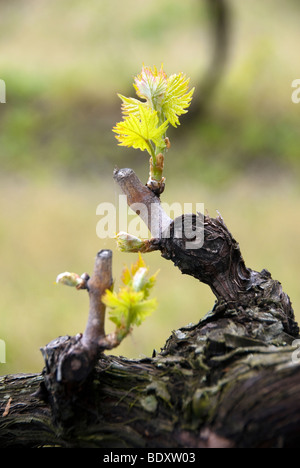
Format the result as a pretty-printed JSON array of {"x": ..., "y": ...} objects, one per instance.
[
  {"x": 177, "y": 98},
  {"x": 130, "y": 105},
  {"x": 140, "y": 263},
  {"x": 142, "y": 130},
  {"x": 130, "y": 306}
]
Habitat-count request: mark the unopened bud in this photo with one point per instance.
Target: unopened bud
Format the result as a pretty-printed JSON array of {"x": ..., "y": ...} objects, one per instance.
[
  {"x": 129, "y": 243},
  {"x": 70, "y": 279},
  {"x": 139, "y": 279}
]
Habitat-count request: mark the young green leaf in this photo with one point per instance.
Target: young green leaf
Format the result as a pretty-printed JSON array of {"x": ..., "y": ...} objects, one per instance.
[
  {"x": 130, "y": 306},
  {"x": 177, "y": 98},
  {"x": 151, "y": 85},
  {"x": 130, "y": 106},
  {"x": 142, "y": 130},
  {"x": 163, "y": 100}
]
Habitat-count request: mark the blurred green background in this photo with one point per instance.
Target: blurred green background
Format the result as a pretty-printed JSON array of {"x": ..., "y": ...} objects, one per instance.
[{"x": 237, "y": 151}]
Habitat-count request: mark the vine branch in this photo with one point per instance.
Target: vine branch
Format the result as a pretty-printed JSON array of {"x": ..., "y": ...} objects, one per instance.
[
  {"x": 143, "y": 201},
  {"x": 96, "y": 286},
  {"x": 218, "y": 262}
]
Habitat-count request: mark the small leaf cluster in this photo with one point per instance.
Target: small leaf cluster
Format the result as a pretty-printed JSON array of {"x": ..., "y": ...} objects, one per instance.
[
  {"x": 145, "y": 122},
  {"x": 131, "y": 305}
]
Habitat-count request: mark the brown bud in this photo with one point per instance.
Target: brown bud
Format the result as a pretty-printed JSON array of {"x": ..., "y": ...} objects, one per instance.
[
  {"x": 160, "y": 161},
  {"x": 168, "y": 143}
]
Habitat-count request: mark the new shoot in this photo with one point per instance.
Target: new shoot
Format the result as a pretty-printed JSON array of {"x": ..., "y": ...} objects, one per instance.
[{"x": 146, "y": 120}]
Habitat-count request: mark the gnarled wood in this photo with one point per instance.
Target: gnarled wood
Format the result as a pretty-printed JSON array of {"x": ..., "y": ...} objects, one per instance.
[
  {"x": 227, "y": 381},
  {"x": 232, "y": 380}
]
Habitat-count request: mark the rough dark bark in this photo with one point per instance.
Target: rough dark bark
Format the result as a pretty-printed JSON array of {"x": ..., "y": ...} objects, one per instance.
[{"x": 228, "y": 381}]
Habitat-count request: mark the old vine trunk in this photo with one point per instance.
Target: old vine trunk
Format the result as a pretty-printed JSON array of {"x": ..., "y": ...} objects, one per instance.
[{"x": 228, "y": 381}]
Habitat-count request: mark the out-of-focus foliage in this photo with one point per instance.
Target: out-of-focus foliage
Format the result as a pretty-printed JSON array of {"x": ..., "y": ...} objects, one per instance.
[{"x": 62, "y": 87}]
